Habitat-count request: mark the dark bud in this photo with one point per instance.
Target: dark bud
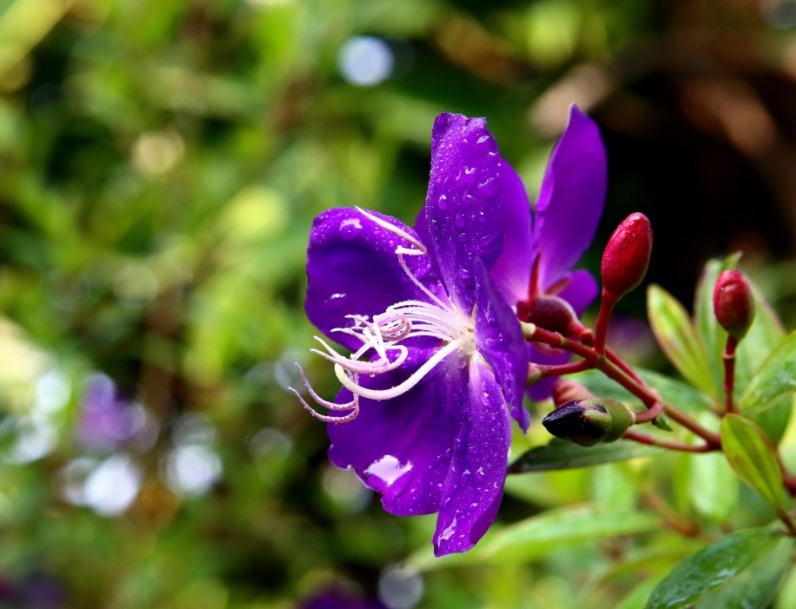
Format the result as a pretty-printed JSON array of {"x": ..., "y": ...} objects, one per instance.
[
  {"x": 551, "y": 313},
  {"x": 587, "y": 422},
  {"x": 733, "y": 303},
  {"x": 627, "y": 255}
]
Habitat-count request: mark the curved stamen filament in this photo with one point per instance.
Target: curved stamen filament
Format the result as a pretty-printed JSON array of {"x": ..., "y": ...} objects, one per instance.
[
  {"x": 421, "y": 249},
  {"x": 379, "y": 366},
  {"x": 418, "y": 375},
  {"x": 353, "y": 405}
]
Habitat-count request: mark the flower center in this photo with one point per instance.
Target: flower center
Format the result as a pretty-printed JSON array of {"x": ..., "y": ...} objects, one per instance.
[{"x": 382, "y": 337}]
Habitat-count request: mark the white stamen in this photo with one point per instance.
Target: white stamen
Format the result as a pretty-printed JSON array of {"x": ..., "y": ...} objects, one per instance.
[
  {"x": 420, "y": 248},
  {"x": 381, "y": 336},
  {"x": 353, "y": 405},
  {"x": 387, "y": 394}
]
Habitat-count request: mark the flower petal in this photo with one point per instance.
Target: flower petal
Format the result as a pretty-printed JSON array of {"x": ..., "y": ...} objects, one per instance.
[
  {"x": 580, "y": 291},
  {"x": 474, "y": 487},
  {"x": 571, "y": 198},
  {"x": 499, "y": 339},
  {"x": 512, "y": 270},
  {"x": 475, "y": 208},
  {"x": 402, "y": 447},
  {"x": 352, "y": 268}
]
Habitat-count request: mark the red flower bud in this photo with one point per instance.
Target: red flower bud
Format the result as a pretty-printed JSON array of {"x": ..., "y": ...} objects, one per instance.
[
  {"x": 733, "y": 303},
  {"x": 627, "y": 255}
]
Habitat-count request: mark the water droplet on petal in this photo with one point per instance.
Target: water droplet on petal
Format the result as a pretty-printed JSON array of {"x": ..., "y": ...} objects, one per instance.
[
  {"x": 449, "y": 531},
  {"x": 387, "y": 470},
  {"x": 443, "y": 202},
  {"x": 488, "y": 186},
  {"x": 349, "y": 228}
]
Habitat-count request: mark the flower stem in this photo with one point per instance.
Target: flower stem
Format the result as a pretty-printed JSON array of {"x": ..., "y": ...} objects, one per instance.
[
  {"x": 729, "y": 372},
  {"x": 614, "y": 368},
  {"x": 607, "y": 303},
  {"x": 665, "y": 443}
]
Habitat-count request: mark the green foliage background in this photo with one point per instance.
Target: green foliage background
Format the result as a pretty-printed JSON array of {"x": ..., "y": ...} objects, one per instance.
[{"x": 160, "y": 166}]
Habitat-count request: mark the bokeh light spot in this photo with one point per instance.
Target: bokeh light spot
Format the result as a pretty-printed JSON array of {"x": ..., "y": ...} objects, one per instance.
[{"x": 366, "y": 60}]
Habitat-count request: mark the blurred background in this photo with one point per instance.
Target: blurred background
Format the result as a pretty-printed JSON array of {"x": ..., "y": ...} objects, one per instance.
[{"x": 160, "y": 165}]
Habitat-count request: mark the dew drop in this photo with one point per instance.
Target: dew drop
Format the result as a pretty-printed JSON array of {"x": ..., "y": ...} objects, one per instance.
[
  {"x": 443, "y": 202},
  {"x": 349, "y": 228},
  {"x": 488, "y": 186}
]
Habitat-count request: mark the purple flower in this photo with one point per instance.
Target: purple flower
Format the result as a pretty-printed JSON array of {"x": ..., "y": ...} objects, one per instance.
[
  {"x": 438, "y": 361},
  {"x": 565, "y": 219},
  {"x": 107, "y": 421},
  {"x": 339, "y": 598}
]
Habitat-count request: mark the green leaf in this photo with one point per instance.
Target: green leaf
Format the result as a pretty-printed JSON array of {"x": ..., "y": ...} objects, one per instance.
[
  {"x": 637, "y": 597},
  {"x": 678, "y": 338},
  {"x": 713, "y": 488},
  {"x": 775, "y": 377},
  {"x": 560, "y": 454},
  {"x": 543, "y": 534},
  {"x": 758, "y": 585},
  {"x": 752, "y": 455},
  {"x": 740, "y": 570}
]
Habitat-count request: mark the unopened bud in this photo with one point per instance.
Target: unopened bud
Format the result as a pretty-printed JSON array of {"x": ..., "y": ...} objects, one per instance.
[
  {"x": 733, "y": 303},
  {"x": 627, "y": 255},
  {"x": 551, "y": 313},
  {"x": 587, "y": 422}
]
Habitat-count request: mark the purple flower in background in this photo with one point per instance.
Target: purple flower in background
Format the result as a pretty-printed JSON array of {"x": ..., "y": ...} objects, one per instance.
[
  {"x": 438, "y": 361},
  {"x": 565, "y": 219},
  {"x": 335, "y": 598},
  {"x": 108, "y": 422}
]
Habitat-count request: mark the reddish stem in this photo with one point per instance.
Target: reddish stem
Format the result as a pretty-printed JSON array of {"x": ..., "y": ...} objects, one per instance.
[
  {"x": 669, "y": 444},
  {"x": 631, "y": 382},
  {"x": 544, "y": 371},
  {"x": 729, "y": 372},
  {"x": 607, "y": 303},
  {"x": 649, "y": 415}
]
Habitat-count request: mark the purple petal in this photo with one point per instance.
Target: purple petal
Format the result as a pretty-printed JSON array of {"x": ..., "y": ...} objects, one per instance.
[
  {"x": 512, "y": 270},
  {"x": 474, "y": 202},
  {"x": 580, "y": 291},
  {"x": 474, "y": 487},
  {"x": 571, "y": 198},
  {"x": 352, "y": 268},
  {"x": 499, "y": 339},
  {"x": 402, "y": 447}
]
